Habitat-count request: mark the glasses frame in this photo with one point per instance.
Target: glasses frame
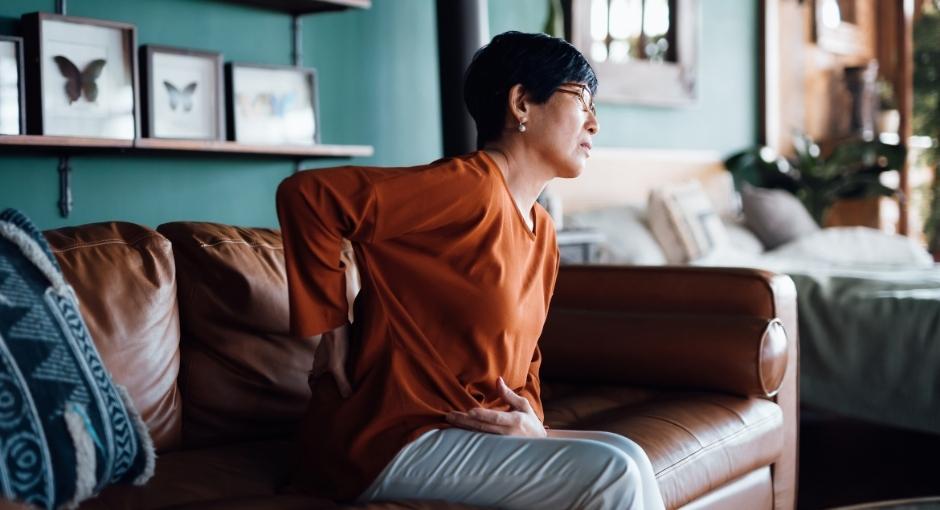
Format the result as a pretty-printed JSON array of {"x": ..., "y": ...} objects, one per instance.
[{"x": 587, "y": 106}]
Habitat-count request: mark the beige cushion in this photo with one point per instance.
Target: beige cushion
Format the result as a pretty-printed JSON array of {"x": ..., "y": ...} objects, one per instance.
[{"x": 685, "y": 223}]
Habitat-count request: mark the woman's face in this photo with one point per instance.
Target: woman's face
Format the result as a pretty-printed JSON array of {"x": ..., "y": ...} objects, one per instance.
[{"x": 561, "y": 129}]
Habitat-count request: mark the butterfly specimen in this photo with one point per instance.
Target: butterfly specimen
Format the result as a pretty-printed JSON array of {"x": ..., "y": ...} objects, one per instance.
[
  {"x": 179, "y": 97},
  {"x": 266, "y": 104},
  {"x": 78, "y": 82},
  {"x": 280, "y": 103}
]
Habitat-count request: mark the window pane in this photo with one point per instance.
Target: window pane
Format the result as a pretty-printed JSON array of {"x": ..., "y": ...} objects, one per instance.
[
  {"x": 599, "y": 21},
  {"x": 598, "y": 51},
  {"x": 625, "y": 18},
  {"x": 619, "y": 50},
  {"x": 657, "y": 17}
]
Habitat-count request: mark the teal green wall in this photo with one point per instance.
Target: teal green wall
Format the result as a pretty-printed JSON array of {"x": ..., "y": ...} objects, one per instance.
[
  {"x": 725, "y": 116},
  {"x": 378, "y": 86},
  {"x": 378, "y": 77}
]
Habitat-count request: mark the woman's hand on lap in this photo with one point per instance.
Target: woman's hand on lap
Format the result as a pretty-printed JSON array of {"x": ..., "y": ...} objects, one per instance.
[{"x": 521, "y": 421}]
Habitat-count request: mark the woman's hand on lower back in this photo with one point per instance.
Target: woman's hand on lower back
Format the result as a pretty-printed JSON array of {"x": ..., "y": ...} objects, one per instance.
[
  {"x": 521, "y": 421},
  {"x": 330, "y": 356}
]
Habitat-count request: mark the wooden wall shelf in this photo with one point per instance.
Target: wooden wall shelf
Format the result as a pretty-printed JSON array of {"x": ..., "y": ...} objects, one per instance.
[
  {"x": 72, "y": 145},
  {"x": 299, "y": 7}
]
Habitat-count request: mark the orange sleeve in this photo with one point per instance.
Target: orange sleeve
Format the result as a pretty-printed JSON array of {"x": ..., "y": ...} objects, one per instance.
[{"x": 316, "y": 210}]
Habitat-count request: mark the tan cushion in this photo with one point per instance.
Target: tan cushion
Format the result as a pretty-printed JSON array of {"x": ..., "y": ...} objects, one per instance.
[
  {"x": 685, "y": 223},
  {"x": 124, "y": 277},
  {"x": 697, "y": 442}
]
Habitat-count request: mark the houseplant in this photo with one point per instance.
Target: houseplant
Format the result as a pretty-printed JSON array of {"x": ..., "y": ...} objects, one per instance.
[
  {"x": 927, "y": 105},
  {"x": 852, "y": 170}
]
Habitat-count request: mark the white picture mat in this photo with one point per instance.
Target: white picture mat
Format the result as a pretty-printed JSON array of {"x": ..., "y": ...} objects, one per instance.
[
  {"x": 112, "y": 114},
  {"x": 201, "y": 121},
  {"x": 273, "y": 106},
  {"x": 9, "y": 89}
]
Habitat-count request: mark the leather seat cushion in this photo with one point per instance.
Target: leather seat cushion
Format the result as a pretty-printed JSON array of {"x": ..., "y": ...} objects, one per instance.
[
  {"x": 196, "y": 477},
  {"x": 245, "y": 476},
  {"x": 697, "y": 442}
]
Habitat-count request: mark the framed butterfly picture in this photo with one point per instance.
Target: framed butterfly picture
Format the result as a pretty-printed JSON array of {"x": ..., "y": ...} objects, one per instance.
[
  {"x": 272, "y": 104},
  {"x": 12, "y": 101},
  {"x": 182, "y": 93},
  {"x": 83, "y": 77}
]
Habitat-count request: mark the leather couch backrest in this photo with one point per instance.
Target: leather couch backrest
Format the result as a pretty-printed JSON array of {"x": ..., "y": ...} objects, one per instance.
[
  {"x": 243, "y": 377},
  {"x": 124, "y": 277}
]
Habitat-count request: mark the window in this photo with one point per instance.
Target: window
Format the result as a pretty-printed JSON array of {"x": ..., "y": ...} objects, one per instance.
[
  {"x": 644, "y": 51},
  {"x": 624, "y": 30}
]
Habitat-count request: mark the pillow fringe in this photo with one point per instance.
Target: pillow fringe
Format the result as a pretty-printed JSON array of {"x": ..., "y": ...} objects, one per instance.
[
  {"x": 146, "y": 442},
  {"x": 85, "y": 460},
  {"x": 34, "y": 253}
]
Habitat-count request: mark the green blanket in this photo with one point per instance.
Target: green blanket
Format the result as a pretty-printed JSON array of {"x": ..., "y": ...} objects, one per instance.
[{"x": 869, "y": 344}]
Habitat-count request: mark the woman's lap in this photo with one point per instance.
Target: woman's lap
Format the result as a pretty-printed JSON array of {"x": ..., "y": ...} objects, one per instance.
[{"x": 574, "y": 469}]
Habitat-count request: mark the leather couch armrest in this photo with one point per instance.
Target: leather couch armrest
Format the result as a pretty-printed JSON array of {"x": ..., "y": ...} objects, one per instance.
[
  {"x": 701, "y": 300},
  {"x": 741, "y": 355}
]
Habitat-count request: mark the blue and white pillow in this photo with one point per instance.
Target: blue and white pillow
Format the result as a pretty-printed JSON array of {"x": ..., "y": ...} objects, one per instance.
[{"x": 66, "y": 430}]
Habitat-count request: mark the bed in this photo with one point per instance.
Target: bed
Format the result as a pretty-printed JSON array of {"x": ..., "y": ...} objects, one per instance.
[{"x": 869, "y": 302}]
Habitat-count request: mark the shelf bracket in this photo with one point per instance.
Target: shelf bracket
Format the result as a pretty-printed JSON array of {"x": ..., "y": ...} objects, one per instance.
[
  {"x": 298, "y": 40},
  {"x": 65, "y": 186}
]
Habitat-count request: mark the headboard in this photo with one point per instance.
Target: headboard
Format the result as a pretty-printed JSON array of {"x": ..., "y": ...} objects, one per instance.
[{"x": 617, "y": 176}]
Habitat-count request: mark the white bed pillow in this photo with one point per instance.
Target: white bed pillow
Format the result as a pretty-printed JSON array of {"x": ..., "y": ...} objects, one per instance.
[
  {"x": 741, "y": 239},
  {"x": 854, "y": 247},
  {"x": 628, "y": 239},
  {"x": 685, "y": 223}
]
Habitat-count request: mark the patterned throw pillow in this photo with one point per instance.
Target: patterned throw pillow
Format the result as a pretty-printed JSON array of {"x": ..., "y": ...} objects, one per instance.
[
  {"x": 66, "y": 430},
  {"x": 685, "y": 223}
]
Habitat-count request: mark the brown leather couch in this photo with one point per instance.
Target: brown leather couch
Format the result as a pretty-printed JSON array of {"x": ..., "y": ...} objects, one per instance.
[{"x": 696, "y": 365}]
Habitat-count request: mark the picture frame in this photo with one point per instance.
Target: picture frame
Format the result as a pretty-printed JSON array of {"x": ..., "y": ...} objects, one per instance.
[
  {"x": 12, "y": 86},
  {"x": 182, "y": 93},
  {"x": 272, "y": 105},
  {"x": 83, "y": 77}
]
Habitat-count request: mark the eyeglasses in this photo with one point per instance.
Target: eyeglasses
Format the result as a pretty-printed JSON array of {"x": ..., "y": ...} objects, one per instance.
[{"x": 583, "y": 95}]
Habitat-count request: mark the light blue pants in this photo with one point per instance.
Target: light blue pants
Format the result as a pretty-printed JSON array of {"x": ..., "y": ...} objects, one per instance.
[{"x": 569, "y": 469}]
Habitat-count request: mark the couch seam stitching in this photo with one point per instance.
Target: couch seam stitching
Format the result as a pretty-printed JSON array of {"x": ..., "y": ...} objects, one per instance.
[
  {"x": 103, "y": 242},
  {"x": 714, "y": 445}
]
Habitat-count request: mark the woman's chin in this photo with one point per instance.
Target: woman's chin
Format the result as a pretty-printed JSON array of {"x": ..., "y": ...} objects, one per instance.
[{"x": 572, "y": 171}]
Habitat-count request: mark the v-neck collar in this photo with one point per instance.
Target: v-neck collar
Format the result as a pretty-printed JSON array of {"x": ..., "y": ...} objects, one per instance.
[{"x": 533, "y": 232}]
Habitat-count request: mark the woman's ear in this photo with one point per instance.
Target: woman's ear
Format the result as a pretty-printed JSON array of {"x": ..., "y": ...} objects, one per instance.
[{"x": 518, "y": 103}]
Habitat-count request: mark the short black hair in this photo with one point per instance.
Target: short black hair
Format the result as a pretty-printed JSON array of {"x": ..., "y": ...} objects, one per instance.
[{"x": 537, "y": 61}]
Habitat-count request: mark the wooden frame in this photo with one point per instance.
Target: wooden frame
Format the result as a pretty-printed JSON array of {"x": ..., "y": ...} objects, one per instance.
[
  {"x": 32, "y": 26},
  {"x": 843, "y": 38},
  {"x": 300, "y": 7},
  {"x": 231, "y": 93},
  {"x": 20, "y": 81},
  {"x": 147, "y": 94},
  {"x": 644, "y": 82}
]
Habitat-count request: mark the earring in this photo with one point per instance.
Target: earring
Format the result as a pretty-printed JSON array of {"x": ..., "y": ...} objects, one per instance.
[{"x": 522, "y": 127}]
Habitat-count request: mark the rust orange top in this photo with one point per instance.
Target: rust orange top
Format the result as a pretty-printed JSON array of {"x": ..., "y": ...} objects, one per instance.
[{"x": 455, "y": 291}]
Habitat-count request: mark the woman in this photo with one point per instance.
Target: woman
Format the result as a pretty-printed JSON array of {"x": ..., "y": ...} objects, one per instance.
[{"x": 439, "y": 398}]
